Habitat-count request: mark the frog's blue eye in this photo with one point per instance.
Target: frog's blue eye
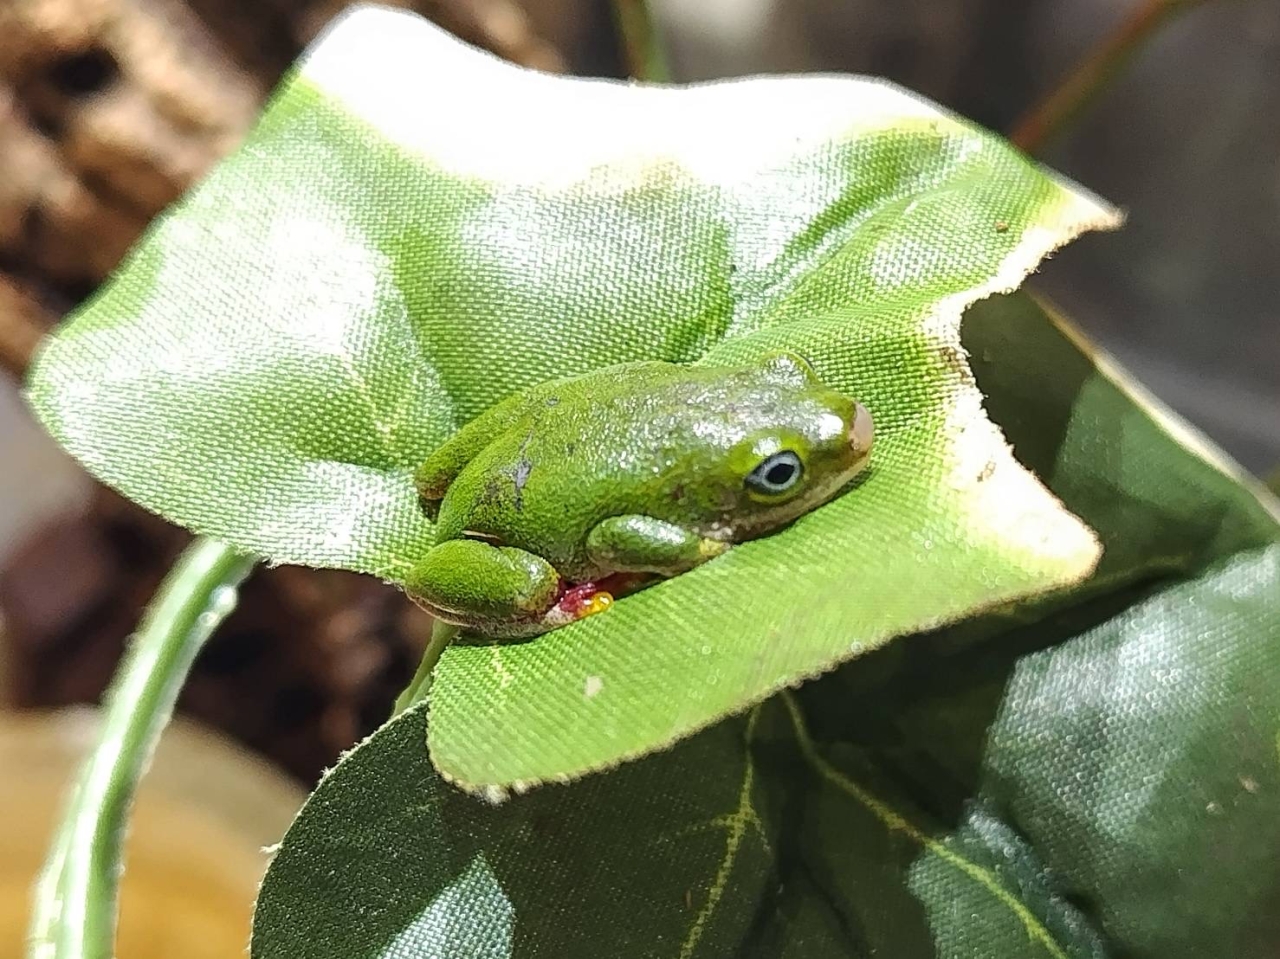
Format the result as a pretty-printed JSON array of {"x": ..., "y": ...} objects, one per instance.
[{"x": 776, "y": 474}]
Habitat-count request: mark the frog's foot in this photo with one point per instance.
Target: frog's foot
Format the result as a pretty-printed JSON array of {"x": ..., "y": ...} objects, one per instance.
[
  {"x": 496, "y": 591},
  {"x": 642, "y": 544}
]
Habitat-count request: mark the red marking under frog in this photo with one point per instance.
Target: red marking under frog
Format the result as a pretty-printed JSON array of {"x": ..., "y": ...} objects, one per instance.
[{"x": 580, "y": 600}]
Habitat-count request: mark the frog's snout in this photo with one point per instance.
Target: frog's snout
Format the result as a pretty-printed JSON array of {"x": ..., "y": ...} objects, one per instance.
[{"x": 862, "y": 431}]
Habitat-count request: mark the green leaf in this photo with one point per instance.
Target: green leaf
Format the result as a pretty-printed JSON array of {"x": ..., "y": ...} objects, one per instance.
[
  {"x": 388, "y": 860},
  {"x": 1113, "y": 729},
  {"x": 1155, "y": 734},
  {"x": 1095, "y": 775},
  {"x": 378, "y": 265}
]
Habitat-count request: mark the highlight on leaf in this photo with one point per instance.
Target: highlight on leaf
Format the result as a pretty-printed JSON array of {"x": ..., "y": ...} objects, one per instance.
[{"x": 374, "y": 269}]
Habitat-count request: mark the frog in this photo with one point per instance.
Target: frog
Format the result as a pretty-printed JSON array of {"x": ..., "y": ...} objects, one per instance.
[{"x": 566, "y": 494}]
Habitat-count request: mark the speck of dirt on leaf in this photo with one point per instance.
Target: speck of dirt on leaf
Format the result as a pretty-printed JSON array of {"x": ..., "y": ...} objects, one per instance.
[
  {"x": 1002, "y": 226},
  {"x": 592, "y": 686},
  {"x": 1249, "y": 784}
]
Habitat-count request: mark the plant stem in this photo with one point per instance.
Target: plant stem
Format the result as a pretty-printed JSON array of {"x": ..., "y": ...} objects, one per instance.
[
  {"x": 75, "y": 908},
  {"x": 1048, "y": 118},
  {"x": 442, "y": 635},
  {"x": 640, "y": 42}
]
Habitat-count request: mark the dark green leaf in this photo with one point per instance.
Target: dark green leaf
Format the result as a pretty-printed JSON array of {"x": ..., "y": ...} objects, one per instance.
[{"x": 388, "y": 860}]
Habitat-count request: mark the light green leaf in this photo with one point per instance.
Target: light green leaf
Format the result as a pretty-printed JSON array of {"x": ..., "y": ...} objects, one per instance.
[
  {"x": 1093, "y": 777},
  {"x": 416, "y": 229}
]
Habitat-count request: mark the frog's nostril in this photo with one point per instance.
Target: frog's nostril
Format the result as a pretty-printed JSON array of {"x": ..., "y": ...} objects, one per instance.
[{"x": 862, "y": 432}]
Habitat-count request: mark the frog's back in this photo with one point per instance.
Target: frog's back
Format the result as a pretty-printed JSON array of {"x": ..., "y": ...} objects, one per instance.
[{"x": 546, "y": 483}]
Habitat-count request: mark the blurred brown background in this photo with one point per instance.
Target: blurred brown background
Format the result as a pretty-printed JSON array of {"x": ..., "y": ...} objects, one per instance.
[{"x": 110, "y": 109}]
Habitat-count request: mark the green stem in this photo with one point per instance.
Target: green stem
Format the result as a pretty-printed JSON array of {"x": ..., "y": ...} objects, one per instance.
[
  {"x": 640, "y": 41},
  {"x": 75, "y": 908},
  {"x": 442, "y": 635},
  {"x": 1052, "y": 114}
]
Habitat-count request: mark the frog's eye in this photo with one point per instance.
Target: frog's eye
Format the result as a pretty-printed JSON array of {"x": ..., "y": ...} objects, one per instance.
[{"x": 776, "y": 475}]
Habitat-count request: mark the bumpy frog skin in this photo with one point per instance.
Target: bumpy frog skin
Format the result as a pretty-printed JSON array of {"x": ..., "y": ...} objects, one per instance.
[{"x": 559, "y": 496}]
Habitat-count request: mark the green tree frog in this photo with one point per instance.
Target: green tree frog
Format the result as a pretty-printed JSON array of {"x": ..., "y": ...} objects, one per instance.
[{"x": 562, "y": 495}]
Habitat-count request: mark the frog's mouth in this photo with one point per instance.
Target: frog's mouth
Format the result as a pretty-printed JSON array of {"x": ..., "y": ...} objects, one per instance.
[
  {"x": 835, "y": 486},
  {"x": 739, "y": 529},
  {"x": 862, "y": 433}
]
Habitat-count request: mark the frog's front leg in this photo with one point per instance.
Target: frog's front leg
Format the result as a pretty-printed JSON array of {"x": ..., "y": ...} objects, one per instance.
[
  {"x": 497, "y": 591},
  {"x": 642, "y": 544}
]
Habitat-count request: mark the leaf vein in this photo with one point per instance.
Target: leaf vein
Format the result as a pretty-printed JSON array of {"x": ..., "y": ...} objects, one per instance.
[
  {"x": 736, "y": 825},
  {"x": 383, "y": 429},
  {"x": 894, "y": 821}
]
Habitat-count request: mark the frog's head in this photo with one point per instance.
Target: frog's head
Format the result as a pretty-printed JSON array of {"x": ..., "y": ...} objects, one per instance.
[{"x": 785, "y": 448}]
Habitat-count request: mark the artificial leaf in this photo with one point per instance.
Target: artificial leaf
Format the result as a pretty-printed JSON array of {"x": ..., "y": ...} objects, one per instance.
[
  {"x": 372, "y": 870},
  {"x": 1095, "y": 776},
  {"x": 415, "y": 230}
]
